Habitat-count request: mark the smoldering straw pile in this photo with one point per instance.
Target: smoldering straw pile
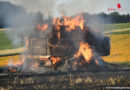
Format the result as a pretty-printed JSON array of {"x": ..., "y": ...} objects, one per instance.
[
  {"x": 49, "y": 41},
  {"x": 65, "y": 45}
]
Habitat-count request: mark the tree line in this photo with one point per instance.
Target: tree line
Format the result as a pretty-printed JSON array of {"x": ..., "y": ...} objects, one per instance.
[
  {"x": 113, "y": 17},
  {"x": 10, "y": 12}
]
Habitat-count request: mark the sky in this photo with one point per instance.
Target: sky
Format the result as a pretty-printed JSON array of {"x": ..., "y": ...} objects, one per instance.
[{"x": 71, "y": 7}]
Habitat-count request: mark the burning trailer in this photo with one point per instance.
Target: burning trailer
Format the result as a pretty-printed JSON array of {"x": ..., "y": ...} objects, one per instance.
[{"x": 67, "y": 42}]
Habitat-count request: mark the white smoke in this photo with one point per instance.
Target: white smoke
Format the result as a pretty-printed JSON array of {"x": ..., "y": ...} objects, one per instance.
[
  {"x": 67, "y": 7},
  {"x": 24, "y": 24}
]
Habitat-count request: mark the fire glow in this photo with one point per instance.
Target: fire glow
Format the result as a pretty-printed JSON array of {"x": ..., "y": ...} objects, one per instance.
[
  {"x": 61, "y": 43},
  {"x": 70, "y": 22},
  {"x": 85, "y": 50},
  {"x": 42, "y": 28}
]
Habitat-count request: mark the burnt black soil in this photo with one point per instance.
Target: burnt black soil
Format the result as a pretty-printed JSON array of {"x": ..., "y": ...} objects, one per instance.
[{"x": 64, "y": 80}]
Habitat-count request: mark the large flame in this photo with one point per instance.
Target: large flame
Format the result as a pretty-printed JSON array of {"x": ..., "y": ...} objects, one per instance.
[
  {"x": 71, "y": 23},
  {"x": 84, "y": 50}
]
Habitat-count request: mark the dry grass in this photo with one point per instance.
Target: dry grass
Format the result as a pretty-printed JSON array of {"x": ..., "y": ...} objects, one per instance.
[
  {"x": 120, "y": 49},
  {"x": 12, "y": 51},
  {"x": 5, "y": 60}
]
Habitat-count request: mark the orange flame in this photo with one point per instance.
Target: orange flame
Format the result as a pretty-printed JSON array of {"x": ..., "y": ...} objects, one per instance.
[
  {"x": 84, "y": 50},
  {"x": 42, "y": 28},
  {"x": 55, "y": 59},
  {"x": 13, "y": 64},
  {"x": 58, "y": 35},
  {"x": 11, "y": 69},
  {"x": 71, "y": 23},
  {"x": 17, "y": 62}
]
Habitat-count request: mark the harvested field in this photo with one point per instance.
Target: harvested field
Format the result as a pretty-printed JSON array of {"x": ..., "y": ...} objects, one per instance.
[
  {"x": 120, "y": 49},
  {"x": 120, "y": 52},
  {"x": 64, "y": 81}
]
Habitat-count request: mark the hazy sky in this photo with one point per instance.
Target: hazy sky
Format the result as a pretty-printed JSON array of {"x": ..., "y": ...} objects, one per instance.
[{"x": 70, "y": 7}]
